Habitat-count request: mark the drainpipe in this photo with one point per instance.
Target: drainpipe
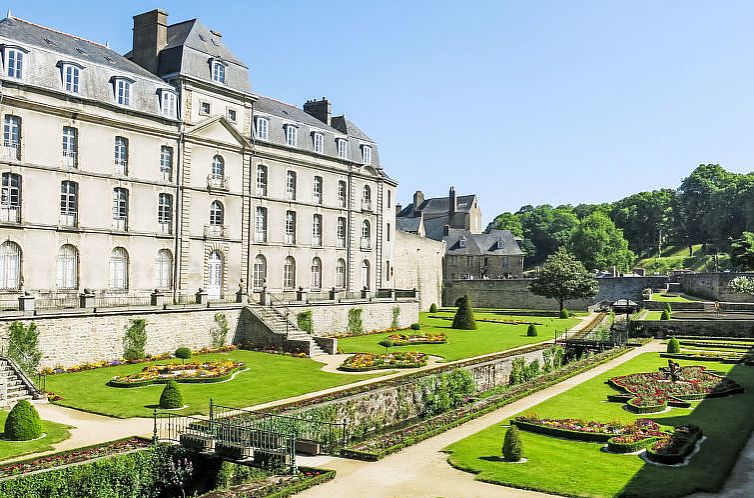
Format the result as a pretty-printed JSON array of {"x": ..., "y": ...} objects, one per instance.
[{"x": 179, "y": 199}]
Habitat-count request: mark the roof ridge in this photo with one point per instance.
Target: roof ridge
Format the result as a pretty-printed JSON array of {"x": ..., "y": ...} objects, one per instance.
[
  {"x": 59, "y": 32},
  {"x": 281, "y": 102}
]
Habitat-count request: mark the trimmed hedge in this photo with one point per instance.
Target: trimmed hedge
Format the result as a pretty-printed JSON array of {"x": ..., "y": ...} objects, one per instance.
[
  {"x": 633, "y": 408},
  {"x": 464, "y": 318},
  {"x": 171, "y": 396},
  {"x": 23, "y": 423},
  {"x": 696, "y": 357},
  {"x": 674, "y": 346},
  {"x": 686, "y": 448},
  {"x": 433, "y": 308},
  {"x": 298, "y": 487},
  {"x": 564, "y": 313},
  {"x": 197, "y": 380},
  {"x": 615, "y": 447},
  {"x": 532, "y": 330}
]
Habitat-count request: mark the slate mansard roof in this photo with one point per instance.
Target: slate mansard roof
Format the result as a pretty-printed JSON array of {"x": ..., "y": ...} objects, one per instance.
[
  {"x": 438, "y": 206},
  {"x": 482, "y": 244}
]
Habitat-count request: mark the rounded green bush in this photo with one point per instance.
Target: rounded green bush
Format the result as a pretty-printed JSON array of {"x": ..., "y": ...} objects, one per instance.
[
  {"x": 513, "y": 448},
  {"x": 182, "y": 353},
  {"x": 532, "y": 330},
  {"x": 171, "y": 396},
  {"x": 433, "y": 308},
  {"x": 674, "y": 346},
  {"x": 665, "y": 315},
  {"x": 416, "y": 326},
  {"x": 564, "y": 313},
  {"x": 23, "y": 422}
]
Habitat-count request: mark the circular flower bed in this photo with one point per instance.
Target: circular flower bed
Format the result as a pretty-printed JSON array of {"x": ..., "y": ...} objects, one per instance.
[
  {"x": 407, "y": 340},
  {"x": 211, "y": 371},
  {"x": 361, "y": 362}
]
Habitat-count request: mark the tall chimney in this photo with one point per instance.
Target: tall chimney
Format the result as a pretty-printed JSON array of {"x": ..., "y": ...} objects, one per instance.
[
  {"x": 452, "y": 201},
  {"x": 418, "y": 199},
  {"x": 320, "y": 109},
  {"x": 150, "y": 37},
  {"x": 398, "y": 208}
]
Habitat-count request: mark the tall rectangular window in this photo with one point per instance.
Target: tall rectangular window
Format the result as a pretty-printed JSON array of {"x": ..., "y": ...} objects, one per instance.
[
  {"x": 218, "y": 72},
  {"x": 12, "y": 136},
  {"x": 261, "y": 180},
  {"x": 317, "y": 230},
  {"x": 262, "y": 128},
  {"x": 290, "y": 227},
  {"x": 387, "y": 232},
  {"x": 71, "y": 75},
  {"x": 290, "y": 185},
  {"x": 14, "y": 63},
  {"x": 70, "y": 146},
  {"x": 342, "y": 194},
  {"x": 341, "y": 232},
  {"x": 291, "y": 135},
  {"x": 319, "y": 142},
  {"x": 165, "y": 213},
  {"x": 120, "y": 208},
  {"x": 121, "y": 156},
  {"x": 366, "y": 152},
  {"x": 166, "y": 163},
  {"x": 10, "y": 198},
  {"x": 123, "y": 91},
  {"x": 168, "y": 103},
  {"x": 342, "y": 148},
  {"x": 69, "y": 203},
  {"x": 317, "y": 189},
  {"x": 260, "y": 232}
]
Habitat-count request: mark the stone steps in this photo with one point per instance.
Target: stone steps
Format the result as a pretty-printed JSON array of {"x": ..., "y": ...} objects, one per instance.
[{"x": 278, "y": 324}]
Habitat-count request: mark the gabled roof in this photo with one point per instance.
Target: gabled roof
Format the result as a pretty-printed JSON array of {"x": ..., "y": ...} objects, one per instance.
[
  {"x": 70, "y": 46},
  {"x": 439, "y": 206},
  {"x": 409, "y": 224},
  {"x": 342, "y": 124},
  {"x": 194, "y": 34},
  {"x": 481, "y": 244}
]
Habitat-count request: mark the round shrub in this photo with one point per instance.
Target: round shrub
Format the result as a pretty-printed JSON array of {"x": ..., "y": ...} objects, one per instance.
[
  {"x": 433, "y": 308},
  {"x": 183, "y": 353},
  {"x": 513, "y": 449},
  {"x": 171, "y": 396},
  {"x": 564, "y": 313},
  {"x": 665, "y": 315},
  {"x": 532, "y": 330},
  {"x": 23, "y": 422},
  {"x": 674, "y": 346},
  {"x": 416, "y": 326},
  {"x": 386, "y": 343},
  {"x": 464, "y": 318}
]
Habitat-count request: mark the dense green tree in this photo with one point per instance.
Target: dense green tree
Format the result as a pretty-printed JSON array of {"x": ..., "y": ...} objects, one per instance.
[
  {"x": 695, "y": 200},
  {"x": 742, "y": 252},
  {"x": 563, "y": 277},
  {"x": 464, "y": 318},
  {"x": 645, "y": 218},
  {"x": 547, "y": 229},
  {"x": 599, "y": 244},
  {"x": 509, "y": 221}
]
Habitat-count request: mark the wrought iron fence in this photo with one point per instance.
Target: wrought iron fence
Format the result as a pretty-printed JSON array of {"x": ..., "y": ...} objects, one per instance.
[
  {"x": 121, "y": 301},
  {"x": 57, "y": 303}
]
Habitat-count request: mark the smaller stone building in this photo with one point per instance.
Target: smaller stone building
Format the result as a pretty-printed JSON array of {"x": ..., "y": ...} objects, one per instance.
[{"x": 493, "y": 254}]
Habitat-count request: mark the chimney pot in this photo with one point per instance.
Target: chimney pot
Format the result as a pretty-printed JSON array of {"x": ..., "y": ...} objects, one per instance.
[{"x": 418, "y": 199}]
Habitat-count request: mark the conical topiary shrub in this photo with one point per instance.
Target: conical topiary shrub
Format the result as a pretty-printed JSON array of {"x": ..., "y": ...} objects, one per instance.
[
  {"x": 171, "y": 396},
  {"x": 674, "y": 346},
  {"x": 665, "y": 315},
  {"x": 513, "y": 449},
  {"x": 564, "y": 313},
  {"x": 532, "y": 330},
  {"x": 23, "y": 422},
  {"x": 433, "y": 308},
  {"x": 464, "y": 318}
]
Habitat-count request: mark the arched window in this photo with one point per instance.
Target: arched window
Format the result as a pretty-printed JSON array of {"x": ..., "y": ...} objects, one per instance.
[
  {"x": 119, "y": 268},
  {"x": 260, "y": 272},
  {"x": 289, "y": 273},
  {"x": 67, "y": 267},
  {"x": 366, "y": 198},
  {"x": 316, "y": 273},
  {"x": 214, "y": 274},
  {"x": 10, "y": 265},
  {"x": 366, "y": 235},
  {"x": 218, "y": 167},
  {"x": 216, "y": 213},
  {"x": 365, "y": 277},
  {"x": 340, "y": 274},
  {"x": 163, "y": 269}
]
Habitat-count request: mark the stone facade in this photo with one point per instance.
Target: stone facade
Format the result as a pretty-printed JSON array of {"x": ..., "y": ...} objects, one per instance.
[
  {"x": 418, "y": 265},
  {"x": 714, "y": 286},
  {"x": 331, "y": 320}
]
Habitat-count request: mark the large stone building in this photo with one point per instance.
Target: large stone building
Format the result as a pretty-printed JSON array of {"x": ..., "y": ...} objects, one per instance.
[
  {"x": 161, "y": 169},
  {"x": 469, "y": 252}
]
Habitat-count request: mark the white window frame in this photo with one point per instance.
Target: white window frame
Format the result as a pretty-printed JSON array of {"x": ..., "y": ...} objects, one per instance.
[
  {"x": 291, "y": 180},
  {"x": 216, "y": 214},
  {"x": 168, "y": 103},
  {"x": 259, "y": 275},
  {"x": 119, "y": 262},
  {"x": 342, "y": 193},
  {"x": 165, "y": 212},
  {"x": 163, "y": 269},
  {"x": 231, "y": 114},
  {"x": 366, "y": 154},
  {"x": 340, "y": 274},
  {"x": 290, "y": 227},
  {"x": 317, "y": 230},
  {"x": 70, "y": 146},
  {"x": 120, "y": 208},
  {"x": 218, "y": 69},
  {"x": 316, "y": 269},
  {"x": 67, "y": 266},
  {"x": 289, "y": 273},
  {"x": 69, "y": 203},
  {"x": 123, "y": 90},
  {"x": 121, "y": 152},
  {"x": 166, "y": 163},
  {"x": 262, "y": 127},
  {"x": 318, "y": 142},
  {"x": 342, "y": 148},
  {"x": 15, "y": 69},
  {"x": 318, "y": 189},
  {"x": 11, "y": 261},
  {"x": 340, "y": 232},
  {"x": 70, "y": 75},
  {"x": 262, "y": 177},
  {"x": 291, "y": 135},
  {"x": 260, "y": 224}
]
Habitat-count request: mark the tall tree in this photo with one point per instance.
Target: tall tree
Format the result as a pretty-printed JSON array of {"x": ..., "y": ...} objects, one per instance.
[
  {"x": 547, "y": 228},
  {"x": 563, "y": 277},
  {"x": 742, "y": 252},
  {"x": 599, "y": 244},
  {"x": 695, "y": 200},
  {"x": 646, "y": 219}
]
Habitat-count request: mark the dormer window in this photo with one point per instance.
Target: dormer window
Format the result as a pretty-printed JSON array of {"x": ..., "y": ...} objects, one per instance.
[
  {"x": 498, "y": 245},
  {"x": 123, "y": 91},
  {"x": 366, "y": 153},
  {"x": 342, "y": 147},
  {"x": 319, "y": 142},
  {"x": 462, "y": 242},
  {"x": 71, "y": 77},
  {"x": 168, "y": 103},
  {"x": 291, "y": 135},
  {"x": 262, "y": 127},
  {"x": 14, "y": 62},
  {"x": 218, "y": 71}
]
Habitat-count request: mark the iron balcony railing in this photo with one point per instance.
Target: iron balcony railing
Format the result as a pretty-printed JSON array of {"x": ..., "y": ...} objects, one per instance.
[
  {"x": 10, "y": 214},
  {"x": 217, "y": 181}
]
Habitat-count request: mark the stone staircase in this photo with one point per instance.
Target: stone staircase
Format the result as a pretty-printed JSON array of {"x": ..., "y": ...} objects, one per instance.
[
  {"x": 13, "y": 386},
  {"x": 292, "y": 337}
]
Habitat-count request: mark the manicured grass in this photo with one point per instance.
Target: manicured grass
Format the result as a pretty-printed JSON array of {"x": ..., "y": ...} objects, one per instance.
[
  {"x": 488, "y": 338},
  {"x": 12, "y": 449},
  {"x": 662, "y": 298},
  {"x": 652, "y": 315},
  {"x": 269, "y": 377},
  {"x": 581, "y": 469}
]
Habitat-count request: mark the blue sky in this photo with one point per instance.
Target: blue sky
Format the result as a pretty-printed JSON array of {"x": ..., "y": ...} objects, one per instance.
[{"x": 524, "y": 102}]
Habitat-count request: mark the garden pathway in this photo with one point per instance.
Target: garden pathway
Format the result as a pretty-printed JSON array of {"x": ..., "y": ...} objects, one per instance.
[{"x": 422, "y": 470}]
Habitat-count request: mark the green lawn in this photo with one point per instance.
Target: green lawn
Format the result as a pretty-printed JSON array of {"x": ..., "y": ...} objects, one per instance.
[
  {"x": 269, "y": 377},
  {"x": 488, "y": 338},
  {"x": 581, "y": 469},
  {"x": 13, "y": 449},
  {"x": 674, "y": 298},
  {"x": 652, "y": 315}
]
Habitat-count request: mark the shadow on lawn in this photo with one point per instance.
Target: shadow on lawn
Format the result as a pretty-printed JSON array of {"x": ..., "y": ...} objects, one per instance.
[{"x": 726, "y": 422}]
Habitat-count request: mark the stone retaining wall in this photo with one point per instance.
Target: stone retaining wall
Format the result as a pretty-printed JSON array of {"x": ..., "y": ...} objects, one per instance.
[
  {"x": 711, "y": 328},
  {"x": 714, "y": 286},
  {"x": 331, "y": 319}
]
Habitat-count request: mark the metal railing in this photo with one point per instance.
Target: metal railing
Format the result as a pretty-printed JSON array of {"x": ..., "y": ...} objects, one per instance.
[
  {"x": 70, "y": 159},
  {"x": 9, "y": 305},
  {"x": 406, "y": 293},
  {"x": 121, "y": 301},
  {"x": 10, "y": 151},
  {"x": 10, "y": 214},
  {"x": 286, "y": 312},
  {"x": 24, "y": 363},
  {"x": 56, "y": 303},
  {"x": 68, "y": 219}
]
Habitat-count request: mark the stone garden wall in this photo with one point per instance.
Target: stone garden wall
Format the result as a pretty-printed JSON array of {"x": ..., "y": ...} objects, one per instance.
[
  {"x": 714, "y": 286},
  {"x": 331, "y": 319},
  {"x": 709, "y": 328}
]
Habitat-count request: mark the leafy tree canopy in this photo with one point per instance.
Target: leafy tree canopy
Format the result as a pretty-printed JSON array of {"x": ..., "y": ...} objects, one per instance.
[
  {"x": 563, "y": 277},
  {"x": 599, "y": 244}
]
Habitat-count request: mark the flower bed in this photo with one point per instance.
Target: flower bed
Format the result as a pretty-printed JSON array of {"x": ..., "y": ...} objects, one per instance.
[
  {"x": 361, "y": 362},
  {"x": 589, "y": 430},
  {"x": 115, "y": 363},
  {"x": 653, "y": 391},
  {"x": 73, "y": 456},
  {"x": 212, "y": 371},
  {"x": 408, "y": 340},
  {"x": 675, "y": 449},
  {"x": 721, "y": 357}
]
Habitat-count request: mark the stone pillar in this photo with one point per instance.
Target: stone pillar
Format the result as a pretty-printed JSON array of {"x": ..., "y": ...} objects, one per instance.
[
  {"x": 393, "y": 295},
  {"x": 264, "y": 297},
  {"x": 334, "y": 294},
  {"x": 242, "y": 296},
  {"x": 86, "y": 299},
  {"x": 301, "y": 295},
  {"x": 201, "y": 297},
  {"x": 364, "y": 293},
  {"x": 157, "y": 298},
  {"x": 26, "y": 304}
]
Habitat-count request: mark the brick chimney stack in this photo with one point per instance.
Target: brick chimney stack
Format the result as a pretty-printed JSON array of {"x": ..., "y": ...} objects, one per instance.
[
  {"x": 418, "y": 199},
  {"x": 452, "y": 202},
  {"x": 320, "y": 109},
  {"x": 150, "y": 37}
]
